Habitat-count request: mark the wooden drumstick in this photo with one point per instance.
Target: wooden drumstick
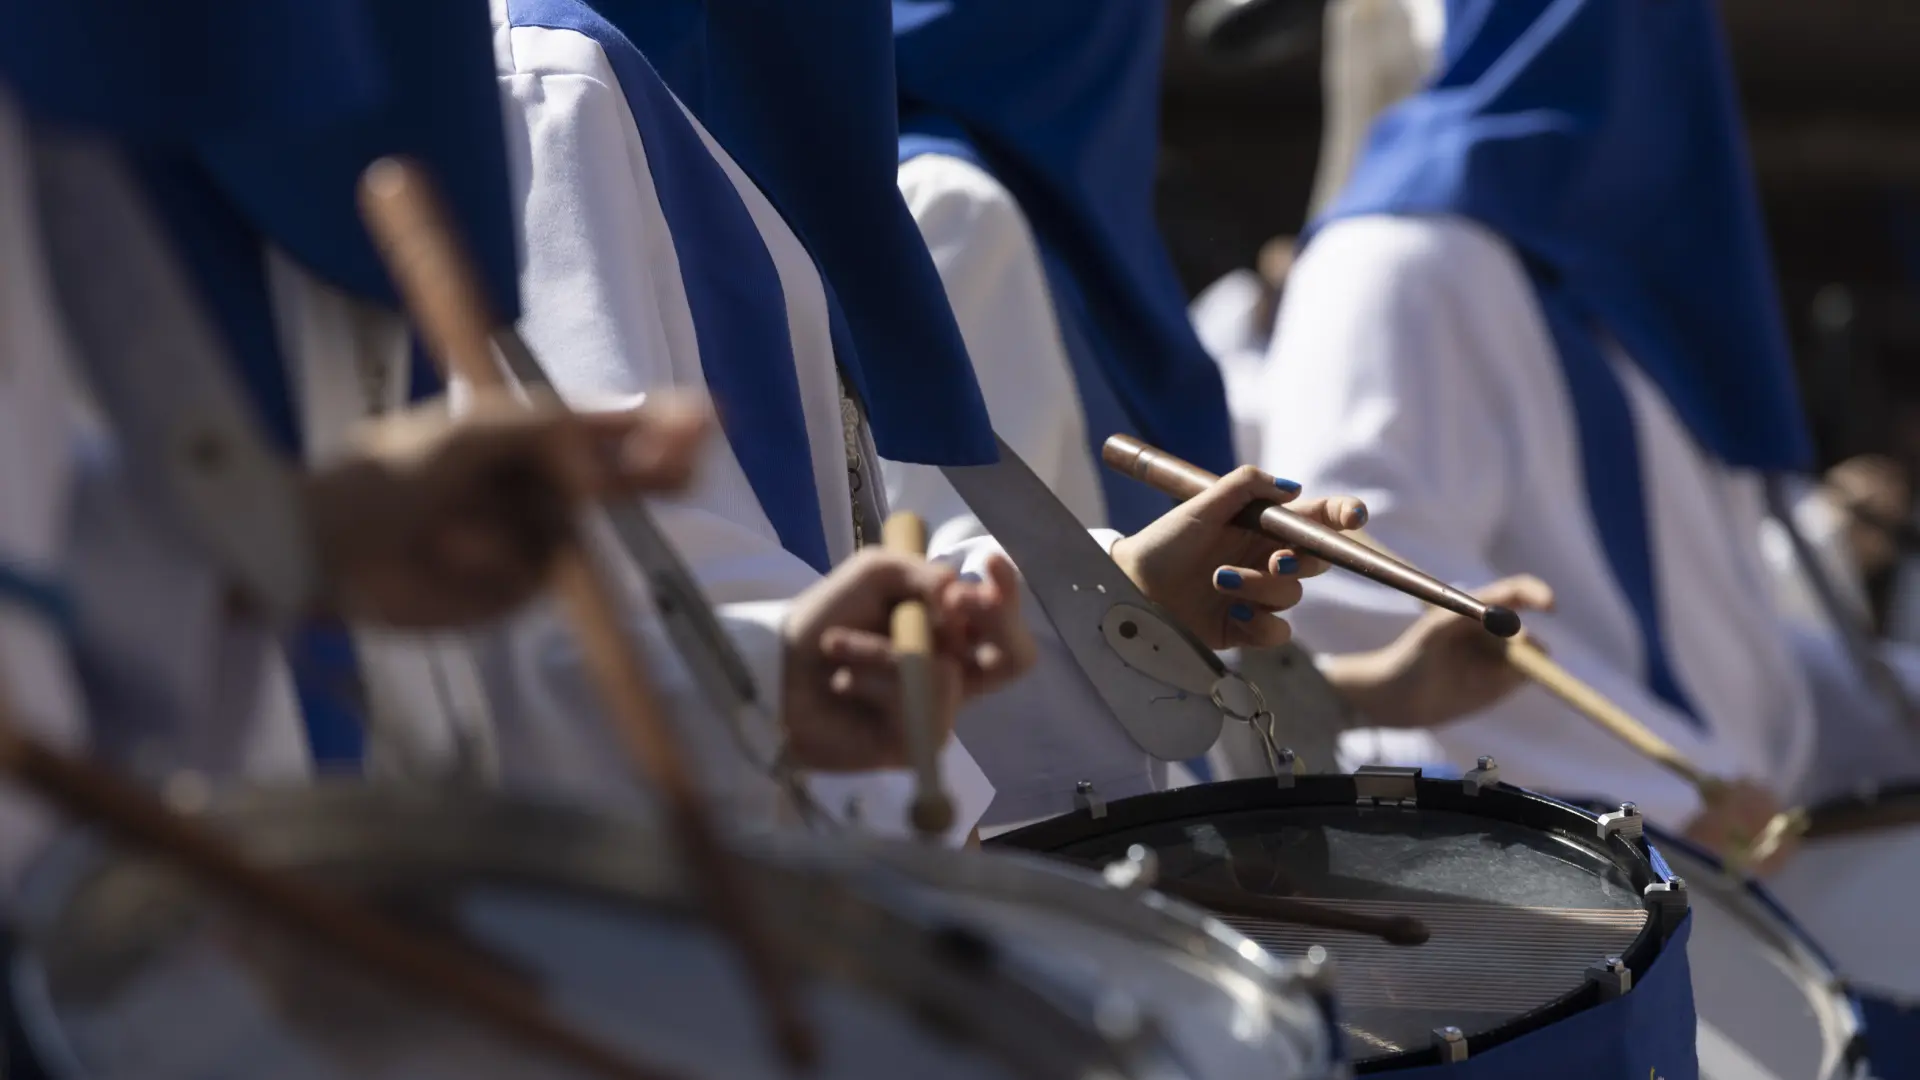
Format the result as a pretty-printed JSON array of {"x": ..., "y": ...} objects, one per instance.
[
  {"x": 1184, "y": 480},
  {"x": 906, "y": 534},
  {"x": 89, "y": 792},
  {"x": 1531, "y": 660},
  {"x": 438, "y": 283}
]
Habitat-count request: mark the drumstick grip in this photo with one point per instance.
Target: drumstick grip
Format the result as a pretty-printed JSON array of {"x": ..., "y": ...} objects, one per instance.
[
  {"x": 912, "y": 626},
  {"x": 1531, "y": 660},
  {"x": 439, "y": 285},
  {"x": 1184, "y": 480}
]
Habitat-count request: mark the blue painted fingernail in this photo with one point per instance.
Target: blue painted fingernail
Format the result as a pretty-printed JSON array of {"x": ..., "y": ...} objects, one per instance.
[
  {"x": 1286, "y": 564},
  {"x": 971, "y": 578},
  {"x": 1241, "y": 612},
  {"x": 1287, "y": 486},
  {"x": 1227, "y": 579},
  {"x": 1359, "y": 516}
]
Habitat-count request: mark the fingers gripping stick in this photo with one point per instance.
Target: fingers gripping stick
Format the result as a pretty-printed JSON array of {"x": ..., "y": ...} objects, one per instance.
[
  {"x": 440, "y": 289},
  {"x": 1183, "y": 480},
  {"x": 906, "y": 534}
]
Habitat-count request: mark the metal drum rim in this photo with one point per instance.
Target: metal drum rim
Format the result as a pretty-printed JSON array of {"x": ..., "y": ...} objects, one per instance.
[
  {"x": 71, "y": 859},
  {"x": 1497, "y": 801},
  {"x": 1841, "y": 816},
  {"x": 1756, "y": 906}
]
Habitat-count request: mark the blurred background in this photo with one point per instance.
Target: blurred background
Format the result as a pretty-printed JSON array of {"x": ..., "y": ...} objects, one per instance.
[{"x": 1832, "y": 93}]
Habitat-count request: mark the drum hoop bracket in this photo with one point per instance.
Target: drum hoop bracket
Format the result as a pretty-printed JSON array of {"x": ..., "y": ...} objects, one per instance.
[
  {"x": 1625, "y": 822},
  {"x": 1386, "y": 785},
  {"x": 1669, "y": 902}
]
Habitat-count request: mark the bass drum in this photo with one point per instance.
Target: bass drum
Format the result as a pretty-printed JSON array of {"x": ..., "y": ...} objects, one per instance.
[
  {"x": 1852, "y": 886},
  {"x": 914, "y": 963},
  {"x": 1770, "y": 1005},
  {"x": 1527, "y": 900}
]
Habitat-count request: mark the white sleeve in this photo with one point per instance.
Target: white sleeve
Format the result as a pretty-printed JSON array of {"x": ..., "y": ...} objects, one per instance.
[
  {"x": 1412, "y": 420},
  {"x": 994, "y": 281}
]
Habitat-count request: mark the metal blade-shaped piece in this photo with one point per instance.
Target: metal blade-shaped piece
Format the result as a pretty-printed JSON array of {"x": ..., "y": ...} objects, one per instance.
[{"x": 1155, "y": 678}]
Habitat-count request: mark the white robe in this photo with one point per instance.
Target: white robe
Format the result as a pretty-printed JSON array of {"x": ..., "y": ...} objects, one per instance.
[
  {"x": 1412, "y": 367},
  {"x": 607, "y": 309},
  {"x": 994, "y": 280}
]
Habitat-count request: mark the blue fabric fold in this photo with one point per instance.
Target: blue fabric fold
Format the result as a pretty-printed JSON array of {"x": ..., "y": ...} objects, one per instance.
[
  {"x": 1059, "y": 101},
  {"x": 739, "y": 309},
  {"x": 1603, "y": 140},
  {"x": 45, "y": 596},
  {"x": 800, "y": 93}
]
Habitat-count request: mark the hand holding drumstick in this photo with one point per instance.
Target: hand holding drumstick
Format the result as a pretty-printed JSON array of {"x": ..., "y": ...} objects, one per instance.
[
  {"x": 443, "y": 294},
  {"x": 1736, "y": 814}
]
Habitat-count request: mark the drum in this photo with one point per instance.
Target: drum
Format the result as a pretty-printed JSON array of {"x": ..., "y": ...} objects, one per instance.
[
  {"x": 1537, "y": 911},
  {"x": 914, "y": 962},
  {"x": 1769, "y": 1003},
  {"x": 1852, "y": 886}
]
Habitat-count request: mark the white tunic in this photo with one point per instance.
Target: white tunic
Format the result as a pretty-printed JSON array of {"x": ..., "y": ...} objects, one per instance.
[
  {"x": 607, "y": 309},
  {"x": 1412, "y": 367},
  {"x": 997, "y": 287}
]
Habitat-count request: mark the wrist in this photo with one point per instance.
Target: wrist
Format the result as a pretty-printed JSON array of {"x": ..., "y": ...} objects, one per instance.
[{"x": 1366, "y": 683}]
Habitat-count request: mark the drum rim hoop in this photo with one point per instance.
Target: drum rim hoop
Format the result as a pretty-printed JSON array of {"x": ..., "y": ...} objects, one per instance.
[
  {"x": 75, "y": 856},
  {"x": 1501, "y": 802}
]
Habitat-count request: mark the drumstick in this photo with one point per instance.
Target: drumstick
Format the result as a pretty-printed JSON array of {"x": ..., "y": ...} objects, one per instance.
[
  {"x": 1531, "y": 660},
  {"x": 1183, "y": 480},
  {"x": 1392, "y": 929},
  {"x": 432, "y": 273},
  {"x": 906, "y": 534},
  {"x": 89, "y": 792}
]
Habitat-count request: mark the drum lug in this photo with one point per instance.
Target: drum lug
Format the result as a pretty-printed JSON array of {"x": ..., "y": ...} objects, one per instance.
[
  {"x": 1386, "y": 785},
  {"x": 1612, "y": 976},
  {"x": 1669, "y": 901},
  {"x": 1625, "y": 821},
  {"x": 1481, "y": 777},
  {"x": 1085, "y": 798},
  {"x": 1287, "y": 767},
  {"x": 1451, "y": 1044}
]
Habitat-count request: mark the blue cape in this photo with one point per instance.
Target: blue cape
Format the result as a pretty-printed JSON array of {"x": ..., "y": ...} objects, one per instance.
[
  {"x": 1603, "y": 140},
  {"x": 800, "y": 94},
  {"x": 1059, "y": 101}
]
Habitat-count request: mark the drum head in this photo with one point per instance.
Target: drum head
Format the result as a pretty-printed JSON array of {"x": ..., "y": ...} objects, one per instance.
[
  {"x": 126, "y": 972},
  {"x": 1851, "y": 884},
  {"x": 1769, "y": 1005},
  {"x": 1520, "y": 894}
]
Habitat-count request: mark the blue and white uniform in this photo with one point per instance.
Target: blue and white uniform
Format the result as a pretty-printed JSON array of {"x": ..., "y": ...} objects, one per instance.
[
  {"x": 115, "y": 635},
  {"x": 1537, "y": 334},
  {"x": 656, "y": 258}
]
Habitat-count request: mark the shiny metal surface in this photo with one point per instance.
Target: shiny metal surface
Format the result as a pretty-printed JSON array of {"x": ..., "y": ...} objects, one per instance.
[
  {"x": 1769, "y": 1004},
  {"x": 1521, "y": 895},
  {"x": 919, "y": 963}
]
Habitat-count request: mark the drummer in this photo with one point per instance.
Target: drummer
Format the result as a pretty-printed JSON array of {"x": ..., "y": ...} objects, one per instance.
[
  {"x": 1072, "y": 315},
  {"x": 406, "y": 526},
  {"x": 684, "y": 274},
  {"x": 1538, "y": 332}
]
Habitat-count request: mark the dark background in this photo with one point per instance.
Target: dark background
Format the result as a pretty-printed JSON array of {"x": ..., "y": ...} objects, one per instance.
[{"x": 1832, "y": 92}]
